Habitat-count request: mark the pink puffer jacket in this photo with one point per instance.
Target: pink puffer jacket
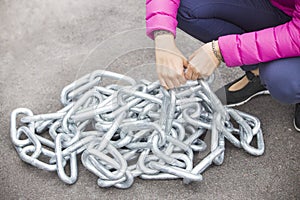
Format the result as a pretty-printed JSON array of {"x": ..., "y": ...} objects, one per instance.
[{"x": 250, "y": 48}]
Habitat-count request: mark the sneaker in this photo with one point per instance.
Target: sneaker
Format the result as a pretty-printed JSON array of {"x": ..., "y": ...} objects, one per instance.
[
  {"x": 239, "y": 97},
  {"x": 297, "y": 117}
]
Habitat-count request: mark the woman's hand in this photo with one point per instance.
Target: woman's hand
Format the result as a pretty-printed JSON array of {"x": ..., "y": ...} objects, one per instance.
[
  {"x": 203, "y": 62},
  {"x": 170, "y": 62}
]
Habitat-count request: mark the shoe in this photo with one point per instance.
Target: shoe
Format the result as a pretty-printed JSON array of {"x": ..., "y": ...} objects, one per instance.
[
  {"x": 239, "y": 97},
  {"x": 297, "y": 117}
]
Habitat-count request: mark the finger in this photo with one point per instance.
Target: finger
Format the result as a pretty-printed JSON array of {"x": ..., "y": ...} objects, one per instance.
[
  {"x": 195, "y": 75},
  {"x": 176, "y": 82},
  {"x": 177, "y": 75},
  {"x": 169, "y": 84},
  {"x": 188, "y": 73},
  {"x": 163, "y": 83},
  {"x": 185, "y": 62},
  {"x": 181, "y": 79}
]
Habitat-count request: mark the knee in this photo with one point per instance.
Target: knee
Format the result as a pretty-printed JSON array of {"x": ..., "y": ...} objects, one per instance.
[
  {"x": 195, "y": 9},
  {"x": 185, "y": 11},
  {"x": 288, "y": 93},
  {"x": 282, "y": 81},
  {"x": 195, "y": 18}
]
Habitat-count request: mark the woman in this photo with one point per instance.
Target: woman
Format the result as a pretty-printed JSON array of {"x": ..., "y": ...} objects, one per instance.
[{"x": 263, "y": 37}]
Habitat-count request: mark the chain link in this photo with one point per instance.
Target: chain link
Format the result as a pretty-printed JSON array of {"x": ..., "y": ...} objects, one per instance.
[{"x": 133, "y": 129}]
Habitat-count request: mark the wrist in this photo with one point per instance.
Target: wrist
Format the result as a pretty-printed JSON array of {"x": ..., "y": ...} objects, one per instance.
[
  {"x": 164, "y": 40},
  {"x": 161, "y": 32},
  {"x": 210, "y": 53},
  {"x": 166, "y": 37},
  {"x": 216, "y": 50}
]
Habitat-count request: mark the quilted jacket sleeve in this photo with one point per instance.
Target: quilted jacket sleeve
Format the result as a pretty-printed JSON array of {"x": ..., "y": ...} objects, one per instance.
[
  {"x": 161, "y": 15},
  {"x": 265, "y": 45}
]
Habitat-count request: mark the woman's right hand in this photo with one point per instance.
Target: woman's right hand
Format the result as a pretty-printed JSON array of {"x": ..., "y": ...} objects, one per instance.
[{"x": 170, "y": 62}]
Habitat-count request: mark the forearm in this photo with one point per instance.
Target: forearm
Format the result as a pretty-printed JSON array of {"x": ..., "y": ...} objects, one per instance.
[
  {"x": 261, "y": 46},
  {"x": 161, "y": 15}
]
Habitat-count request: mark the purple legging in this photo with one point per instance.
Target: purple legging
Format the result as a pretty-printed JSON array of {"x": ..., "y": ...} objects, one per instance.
[{"x": 207, "y": 20}]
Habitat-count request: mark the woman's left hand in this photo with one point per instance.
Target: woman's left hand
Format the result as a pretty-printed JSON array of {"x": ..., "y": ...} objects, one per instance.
[{"x": 202, "y": 63}]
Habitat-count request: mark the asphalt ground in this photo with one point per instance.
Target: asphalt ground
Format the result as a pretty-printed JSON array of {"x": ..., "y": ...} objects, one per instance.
[{"x": 45, "y": 45}]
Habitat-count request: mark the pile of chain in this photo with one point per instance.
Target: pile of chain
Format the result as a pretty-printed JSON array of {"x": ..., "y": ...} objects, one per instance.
[{"x": 136, "y": 129}]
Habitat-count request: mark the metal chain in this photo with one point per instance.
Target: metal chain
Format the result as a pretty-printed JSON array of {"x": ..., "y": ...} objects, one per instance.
[{"x": 133, "y": 129}]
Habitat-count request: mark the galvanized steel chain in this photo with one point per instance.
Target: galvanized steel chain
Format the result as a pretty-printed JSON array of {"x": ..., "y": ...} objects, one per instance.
[{"x": 133, "y": 129}]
